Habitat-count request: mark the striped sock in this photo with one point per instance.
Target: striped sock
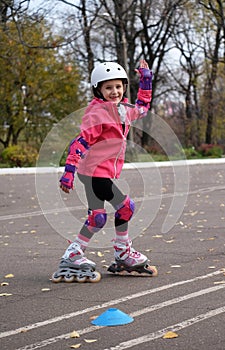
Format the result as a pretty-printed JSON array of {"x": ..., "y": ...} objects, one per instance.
[
  {"x": 122, "y": 236},
  {"x": 82, "y": 241}
]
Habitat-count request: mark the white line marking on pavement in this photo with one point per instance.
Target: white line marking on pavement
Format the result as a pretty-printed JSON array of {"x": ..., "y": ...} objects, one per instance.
[
  {"x": 49, "y": 341},
  {"x": 80, "y": 207},
  {"x": 53, "y": 340},
  {"x": 38, "y": 213},
  {"x": 107, "y": 304},
  {"x": 176, "y": 300},
  {"x": 155, "y": 307},
  {"x": 176, "y": 327}
]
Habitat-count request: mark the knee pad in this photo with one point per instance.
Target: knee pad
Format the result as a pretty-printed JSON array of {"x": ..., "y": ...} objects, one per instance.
[
  {"x": 96, "y": 219},
  {"x": 125, "y": 210}
]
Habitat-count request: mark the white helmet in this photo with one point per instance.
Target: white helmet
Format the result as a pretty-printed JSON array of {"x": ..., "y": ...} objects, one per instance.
[{"x": 107, "y": 71}]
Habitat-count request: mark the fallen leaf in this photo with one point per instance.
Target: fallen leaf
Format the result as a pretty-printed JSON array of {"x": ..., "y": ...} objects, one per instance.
[
  {"x": 200, "y": 258},
  {"x": 4, "y": 284},
  {"x": 90, "y": 340},
  {"x": 5, "y": 295},
  {"x": 77, "y": 346},
  {"x": 10, "y": 275},
  {"x": 93, "y": 317},
  {"x": 45, "y": 289},
  {"x": 74, "y": 334},
  {"x": 100, "y": 254},
  {"x": 170, "y": 335},
  {"x": 163, "y": 189},
  {"x": 175, "y": 266},
  {"x": 170, "y": 241}
]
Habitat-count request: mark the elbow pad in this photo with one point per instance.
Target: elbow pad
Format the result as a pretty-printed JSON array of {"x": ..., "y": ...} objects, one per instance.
[{"x": 77, "y": 150}]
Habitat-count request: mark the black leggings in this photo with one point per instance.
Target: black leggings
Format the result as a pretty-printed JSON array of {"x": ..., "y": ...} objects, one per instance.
[{"x": 98, "y": 190}]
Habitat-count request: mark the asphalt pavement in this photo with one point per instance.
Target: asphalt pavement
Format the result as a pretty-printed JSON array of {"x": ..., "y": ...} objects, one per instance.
[{"x": 179, "y": 224}]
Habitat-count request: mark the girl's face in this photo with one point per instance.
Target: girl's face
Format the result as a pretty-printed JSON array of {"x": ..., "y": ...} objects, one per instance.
[{"x": 112, "y": 90}]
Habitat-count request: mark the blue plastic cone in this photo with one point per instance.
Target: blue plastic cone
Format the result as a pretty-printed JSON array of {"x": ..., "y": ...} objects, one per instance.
[{"x": 112, "y": 317}]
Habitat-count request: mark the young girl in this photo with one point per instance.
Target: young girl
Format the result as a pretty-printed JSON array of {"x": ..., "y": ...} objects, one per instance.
[{"x": 97, "y": 155}]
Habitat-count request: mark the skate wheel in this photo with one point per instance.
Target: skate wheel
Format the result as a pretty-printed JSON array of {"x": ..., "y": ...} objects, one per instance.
[
  {"x": 81, "y": 279},
  {"x": 69, "y": 279},
  {"x": 56, "y": 279},
  {"x": 154, "y": 271},
  {"x": 96, "y": 276}
]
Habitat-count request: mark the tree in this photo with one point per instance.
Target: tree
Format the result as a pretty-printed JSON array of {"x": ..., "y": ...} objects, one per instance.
[
  {"x": 83, "y": 21},
  {"x": 39, "y": 84},
  {"x": 186, "y": 74},
  {"x": 214, "y": 19},
  {"x": 199, "y": 40}
]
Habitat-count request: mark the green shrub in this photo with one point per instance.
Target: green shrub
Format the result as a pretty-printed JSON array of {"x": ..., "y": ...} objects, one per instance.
[
  {"x": 62, "y": 161},
  {"x": 211, "y": 150},
  {"x": 191, "y": 153},
  {"x": 20, "y": 156}
]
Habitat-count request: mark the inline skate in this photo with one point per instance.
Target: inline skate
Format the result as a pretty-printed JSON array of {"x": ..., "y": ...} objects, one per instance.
[
  {"x": 74, "y": 267},
  {"x": 129, "y": 261}
]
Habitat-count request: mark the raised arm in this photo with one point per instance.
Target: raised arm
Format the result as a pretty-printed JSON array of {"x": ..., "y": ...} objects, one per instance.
[{"x": 144, "y": 94}]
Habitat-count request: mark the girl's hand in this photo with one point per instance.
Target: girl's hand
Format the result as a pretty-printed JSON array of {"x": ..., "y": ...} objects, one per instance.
[
  {"x": 145, "y": 76},
  {"x": 143, "y": 64},
  {"x": 66, "y": 189}
]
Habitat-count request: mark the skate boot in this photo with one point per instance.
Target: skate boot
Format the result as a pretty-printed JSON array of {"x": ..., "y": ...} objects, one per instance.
[
  {"x": 74, "y": 267},
  {"x": 129, "y": 261}
]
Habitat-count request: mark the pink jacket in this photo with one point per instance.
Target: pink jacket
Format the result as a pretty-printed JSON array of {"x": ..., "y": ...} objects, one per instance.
[
  {"x": 106, "y": 137},
  {"x": 99, "y": 149}
]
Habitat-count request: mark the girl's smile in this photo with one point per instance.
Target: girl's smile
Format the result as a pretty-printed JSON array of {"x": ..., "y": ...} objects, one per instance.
[{"x": 112, "y": 90}]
